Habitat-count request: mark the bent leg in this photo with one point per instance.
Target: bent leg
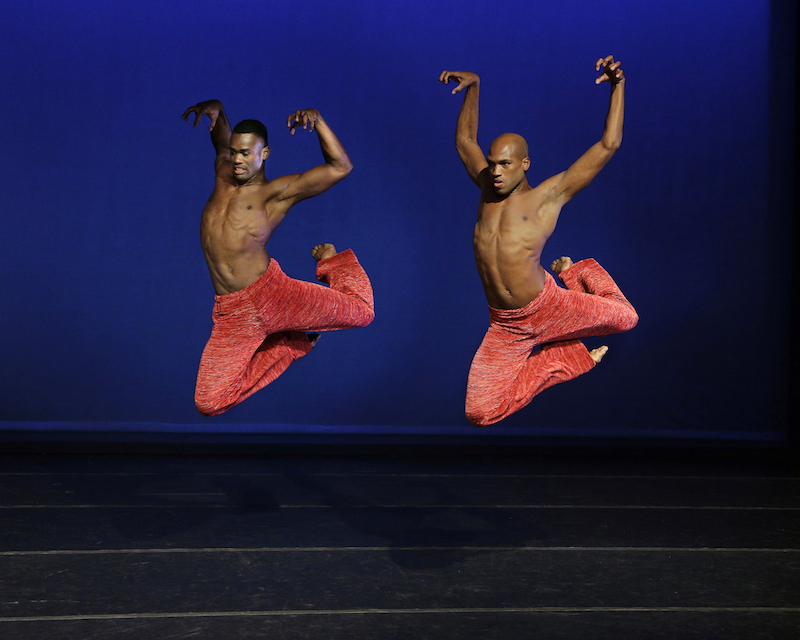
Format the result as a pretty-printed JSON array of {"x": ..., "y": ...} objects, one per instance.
[
  {"x": 255, "y": 339},
  {"x": 354, "y": 305},
  {"x": 232, "y": 368},
  {"x": 505, "y": 376},
  {"x": 593, "y": 305},
  {"x": 308, "y": 306}
]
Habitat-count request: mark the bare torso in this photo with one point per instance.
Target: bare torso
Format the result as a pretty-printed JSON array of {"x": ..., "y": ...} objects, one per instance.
[
  {"x": 245, "y": 207},
  {"x": 509, "y": 238},
  {"x": 237, "y": 222}
]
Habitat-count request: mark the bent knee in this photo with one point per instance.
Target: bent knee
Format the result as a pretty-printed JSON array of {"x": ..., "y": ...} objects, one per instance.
[
  {"x": 365, "y": 318},
  {"x": 481, "y": 420},
  {"x": 208, "y": 406},
  {"x": 631, "y": 321},
  {"x": 482, "y": 416}
]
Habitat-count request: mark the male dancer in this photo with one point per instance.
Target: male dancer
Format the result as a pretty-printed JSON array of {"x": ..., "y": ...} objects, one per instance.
[
  {"x": 260, "y": 315},
  {"x": 526, "y": 307}
]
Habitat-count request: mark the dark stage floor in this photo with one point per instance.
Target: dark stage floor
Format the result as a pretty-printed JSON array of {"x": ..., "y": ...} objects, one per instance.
[{"x": 422, "y": 543}]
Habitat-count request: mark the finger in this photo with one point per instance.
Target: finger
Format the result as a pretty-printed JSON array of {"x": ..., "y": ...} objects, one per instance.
[
  {"x": 213, "y": 122},
  {"x": 444, "y": 77},
  {"x": 197, "y": 119},
  {"x": 186, "y": 113},
  {"x": 604, "y": 62}
]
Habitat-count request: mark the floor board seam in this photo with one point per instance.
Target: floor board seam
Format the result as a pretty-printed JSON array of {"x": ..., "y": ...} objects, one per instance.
[
  {"x": 381, "y": 611},
  {"x": 289, "y": 474},
  {"x": 68, "y": 552},
  {"x": 396, "y": 506}
]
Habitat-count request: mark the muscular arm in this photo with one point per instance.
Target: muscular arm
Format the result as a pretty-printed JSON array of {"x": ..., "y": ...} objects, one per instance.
[
  {"x": 566, "y": 184},
  {"x": 220, "y": 128},
  {"x": 337, "y": 164},
  {"x": 467, "y": 127}
]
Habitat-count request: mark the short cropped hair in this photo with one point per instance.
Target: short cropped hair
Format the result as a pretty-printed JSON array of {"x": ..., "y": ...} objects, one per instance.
[{"x": 252, "y": 126}]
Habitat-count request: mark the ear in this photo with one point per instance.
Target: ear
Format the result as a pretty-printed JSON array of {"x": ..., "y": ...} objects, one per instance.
[
  {"x": 265, "y": 153},
  {"x": 526, "y": 163}
]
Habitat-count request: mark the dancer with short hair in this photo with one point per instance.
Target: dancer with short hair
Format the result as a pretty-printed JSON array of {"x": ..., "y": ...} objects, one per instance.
[{"x": 262, "y": 318}]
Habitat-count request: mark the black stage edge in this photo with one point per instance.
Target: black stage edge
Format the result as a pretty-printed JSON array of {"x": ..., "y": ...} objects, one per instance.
[{"x": 374, "y": 445}]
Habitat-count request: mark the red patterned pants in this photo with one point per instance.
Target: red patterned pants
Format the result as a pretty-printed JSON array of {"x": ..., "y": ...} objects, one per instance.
[
  {"x": 259, "y": 331},
  {"x": 506, "y": 373}
]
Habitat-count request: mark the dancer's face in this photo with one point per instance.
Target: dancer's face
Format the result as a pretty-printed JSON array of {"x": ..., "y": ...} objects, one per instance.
[
  {"x": 247, "y": 155},
  {"x": 508, "y": 162}
]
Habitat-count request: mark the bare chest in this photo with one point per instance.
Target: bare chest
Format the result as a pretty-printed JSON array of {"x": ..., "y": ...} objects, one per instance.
[
  {"x": 232, "y": 210},
  {"x": 512, "y": 221}
]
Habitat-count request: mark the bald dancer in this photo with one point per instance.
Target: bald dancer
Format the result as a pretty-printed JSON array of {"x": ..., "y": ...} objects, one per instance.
[
  {"x": 533, "y": 341},
  {"x": 262, "y": 318}
]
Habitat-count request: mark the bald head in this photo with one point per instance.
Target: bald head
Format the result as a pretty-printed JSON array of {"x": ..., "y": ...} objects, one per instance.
[
  {"x": 507, "y": 162},
  {"x": 513, "y": 144}
]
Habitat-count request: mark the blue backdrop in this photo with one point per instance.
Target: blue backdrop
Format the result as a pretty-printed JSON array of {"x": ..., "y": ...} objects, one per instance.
[{"x": 107, "y": 301}]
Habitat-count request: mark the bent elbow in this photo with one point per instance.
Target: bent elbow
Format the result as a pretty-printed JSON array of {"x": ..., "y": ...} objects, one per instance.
[
  {"x": 341, "y": 169},
  {"x": 613, "y": 144},
  {"x": 464, "y": 141},
  {"x": 347, "y": 167}
]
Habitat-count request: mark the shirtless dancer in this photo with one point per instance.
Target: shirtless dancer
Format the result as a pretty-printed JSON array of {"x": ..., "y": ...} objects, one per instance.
[
  {"x": 527, "y": 308},
  {"x": 261, "y": 316}
]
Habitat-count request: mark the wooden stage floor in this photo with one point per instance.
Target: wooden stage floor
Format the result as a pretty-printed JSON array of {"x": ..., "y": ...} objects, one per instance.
[{"x": 405, "y": 542}]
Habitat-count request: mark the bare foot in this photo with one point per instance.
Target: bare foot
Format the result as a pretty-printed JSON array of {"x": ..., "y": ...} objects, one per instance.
[
  {"x": 597, "y": 354},
  {"x": 313, "y": 338},
  {"x": 322, "y": 251},
  {"x": 561, "y": 265}
]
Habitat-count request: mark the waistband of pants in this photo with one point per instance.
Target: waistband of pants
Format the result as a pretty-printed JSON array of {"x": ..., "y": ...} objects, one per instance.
[
  {"x": 272, "y": 273},
  {"x": 542, "y": 300}
]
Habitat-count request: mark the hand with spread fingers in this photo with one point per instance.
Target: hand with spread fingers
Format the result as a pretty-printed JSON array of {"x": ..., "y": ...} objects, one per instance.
[
  {"x": 612, "y": 71},
  {"x": 464, "y": 79},
  {"x": 210, "y": 108},
  {"x": 307, "y": 118}
]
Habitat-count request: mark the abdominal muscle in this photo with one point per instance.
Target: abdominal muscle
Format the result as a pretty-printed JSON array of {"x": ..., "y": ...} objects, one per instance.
[
  {"x": 236, "y": 257},
  {"x": 509, "y": 269}
]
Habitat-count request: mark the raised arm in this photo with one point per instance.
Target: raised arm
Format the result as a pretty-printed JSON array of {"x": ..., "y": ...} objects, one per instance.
[
  {"x": 219, "y": 127},
  {"x": 337, "y": 164},
  {"x": 585, "y": 168},
  {"x": 467, "y": 127}
]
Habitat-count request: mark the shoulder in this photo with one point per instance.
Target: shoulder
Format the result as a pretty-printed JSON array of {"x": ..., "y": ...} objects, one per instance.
[
  {"x": 277, "y": 188},
  {"x": 547, "y": 188}
]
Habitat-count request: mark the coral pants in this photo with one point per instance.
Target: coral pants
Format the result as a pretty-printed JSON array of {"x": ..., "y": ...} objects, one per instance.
[
  {"x": 505, "y": 375},
  {"x": 259, "y": 331}
]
